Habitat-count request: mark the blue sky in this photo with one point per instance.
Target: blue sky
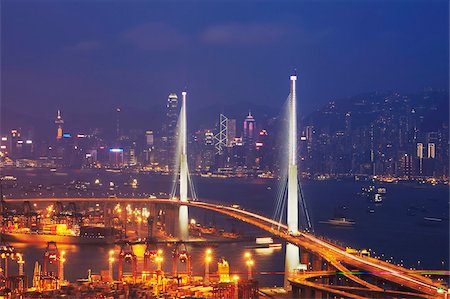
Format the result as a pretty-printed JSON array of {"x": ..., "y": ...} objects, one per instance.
[{"x": 96, "y": 55}]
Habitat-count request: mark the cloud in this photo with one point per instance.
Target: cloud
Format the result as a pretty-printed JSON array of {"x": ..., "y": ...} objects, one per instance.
[
  {"x": 86, "y": 45},
  {"x": 236, "y": 34},
  {"x": 154, "y": 36}
]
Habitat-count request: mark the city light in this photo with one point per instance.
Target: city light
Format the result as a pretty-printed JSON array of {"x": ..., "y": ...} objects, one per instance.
[
  {"x": 291, "y": 147},
  {"x": 208, "y": 260},
  {"x": 249, "y": 262},
  {"x": 116, "y": 150}
]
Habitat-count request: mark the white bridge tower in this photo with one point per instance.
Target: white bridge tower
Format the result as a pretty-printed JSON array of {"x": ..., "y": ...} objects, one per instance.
[
  {"x": 292, "y": 251},
  {"x": 184, "y": 172}
]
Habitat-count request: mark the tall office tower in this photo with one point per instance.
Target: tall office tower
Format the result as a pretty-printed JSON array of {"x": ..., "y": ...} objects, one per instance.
[
  {"x": 309, "y": 133},
  {"x": 431, "y": 151},
  {"x": 420, "y": 150},
  {"x": 249, "y": 139},
  {"x": 406, "y": 167},
  {"x": 168, "y": 146},
  {"x": 420, "y": 156},
  {"x": 208, "y": 150},
  {"x": 118, "y": 123},
  {"x": 149, "y": 138},
  {"x": 231, "y": 132},
  {"x": 221, "y": 138},
  {"x": 13, "y": 138},
  {"x": 59, "y": 123},
  {"x": 116, "y": 157},
  {"x": 262, "y": 150},
  {"x": 148, "y": 153}
]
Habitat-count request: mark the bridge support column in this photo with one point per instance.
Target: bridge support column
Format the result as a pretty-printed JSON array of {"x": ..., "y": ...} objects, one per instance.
[
  {"x": 296, "y": 291},
  {"x": 317, "y": 263},
  {"x": 292, "y": 251},
  {"x": 307, "y": 293},
  {"x": 304, "y": 258},
  {"x": 317, "y": 294},
  {"x": 183, "y": 214},
  {"x": 291, "y": 263}
]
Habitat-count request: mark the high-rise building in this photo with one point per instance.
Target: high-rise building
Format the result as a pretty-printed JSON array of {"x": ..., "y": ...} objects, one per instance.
[
  {"x": 118, "y": 133},
  {"x": 431, "y": 151},
  {"x": 208, "y": 151},
  {"x": 168, "y": 140},
  {"x": 231, "y": 132},
  {"x": 149, "y": 139},
  {"x": 420, "y": 157},
  {"x": 420, "y": 150},
  {"x": 249, "y": 139},
  {"x": 406, "y": 165},
  {"x": 13, "y": 139},
  {"x": 116, "y": 157},
  {"x": 309, "y": 133},
  {"x": 59, "y": 124}
]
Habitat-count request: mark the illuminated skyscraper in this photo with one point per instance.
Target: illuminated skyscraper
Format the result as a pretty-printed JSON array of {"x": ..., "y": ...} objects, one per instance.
[
  {"x": 420, "y": 156},
  {"x": 169, "y": 131},
  {"x": 420, "y": 150},
  {"x": 59, "y": 123},
  {"x": 431, "y": 151},
  {"x": 231, "y": 132},
  {"x": 249, "y": 139},
  {"x": 118, "y": 123}
]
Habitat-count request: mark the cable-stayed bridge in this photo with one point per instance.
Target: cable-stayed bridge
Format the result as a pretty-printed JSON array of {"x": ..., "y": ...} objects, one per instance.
[{"x": 333, "y": 272}]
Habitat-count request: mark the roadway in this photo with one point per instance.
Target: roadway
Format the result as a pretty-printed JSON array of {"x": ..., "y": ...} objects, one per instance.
[{"x": 337, "y": 257}]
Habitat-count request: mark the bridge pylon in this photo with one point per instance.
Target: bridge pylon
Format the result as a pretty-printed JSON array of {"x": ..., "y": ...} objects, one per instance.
[
  {"x": 292, "y": 251},
  {"x": 183, "y": 214}
]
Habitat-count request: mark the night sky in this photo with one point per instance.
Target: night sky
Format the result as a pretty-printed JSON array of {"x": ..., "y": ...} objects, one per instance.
[{"x": 96, "y": 55}]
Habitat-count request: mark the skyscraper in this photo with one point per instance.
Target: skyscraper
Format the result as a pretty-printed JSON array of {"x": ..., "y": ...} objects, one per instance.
[
  {"x": 431, "y": 151},
  {"x": 59, "y": 122},
  {"x": 231, "y": 132},
  {"x": 118, "y": 123},
  {"x": 420, "y": 156},
  {"x": 169, "y": 131},
  {"x": 249, "y": 139}
]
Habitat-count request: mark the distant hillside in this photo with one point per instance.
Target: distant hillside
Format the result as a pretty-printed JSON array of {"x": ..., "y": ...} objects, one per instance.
[{"x": 431, "y": 106}]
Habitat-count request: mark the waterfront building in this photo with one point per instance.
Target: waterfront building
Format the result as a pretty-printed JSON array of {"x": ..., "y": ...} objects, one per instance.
[
  {"x": 59, "y": 125},
  {"x": 168, "y": 138},
  {"x": 249, "y": 139}
]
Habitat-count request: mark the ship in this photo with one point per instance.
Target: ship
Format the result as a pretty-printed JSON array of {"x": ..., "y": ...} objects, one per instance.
[
  {"x": 433, "y": 221},
  {"x": 377, "y": 198},
  {"x": 34, "y": 238},
  {"x": 342, "y": 221},
  {"x": 86, "y": 235}
]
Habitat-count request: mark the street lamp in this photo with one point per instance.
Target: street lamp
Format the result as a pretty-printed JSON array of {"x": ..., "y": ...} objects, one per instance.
[
  {"x": 20, "y": 262},
  {"x": 159, "y": 259},
  {"x": 62, "y": 260},
  {"x": 208, "y": 260},
  {"x": 236, "y": 289},
  {"x": 249, "y": 262},
  {"x": 110, "y": 264}
]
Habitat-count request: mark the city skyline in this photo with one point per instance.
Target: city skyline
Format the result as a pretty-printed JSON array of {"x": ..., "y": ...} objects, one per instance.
[
  {"x": 224, "y": 149},
  {"x": 371, "y": 134}
]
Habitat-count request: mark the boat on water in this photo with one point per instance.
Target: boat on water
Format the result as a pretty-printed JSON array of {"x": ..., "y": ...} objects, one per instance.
[
  {"x": 381, "y": 190},
  {"x": 61, "y": 234},
  {"x": 34, "y": 238},
  {"x": 377, "y": 198},
  {"x": 375, "y": 193},
  {"x": 341, "y": 221},
  {"x": 433, "y": 221}
]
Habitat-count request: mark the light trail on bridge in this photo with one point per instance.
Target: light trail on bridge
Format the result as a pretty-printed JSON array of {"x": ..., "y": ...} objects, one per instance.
[{"x": 401, "y": 275}]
